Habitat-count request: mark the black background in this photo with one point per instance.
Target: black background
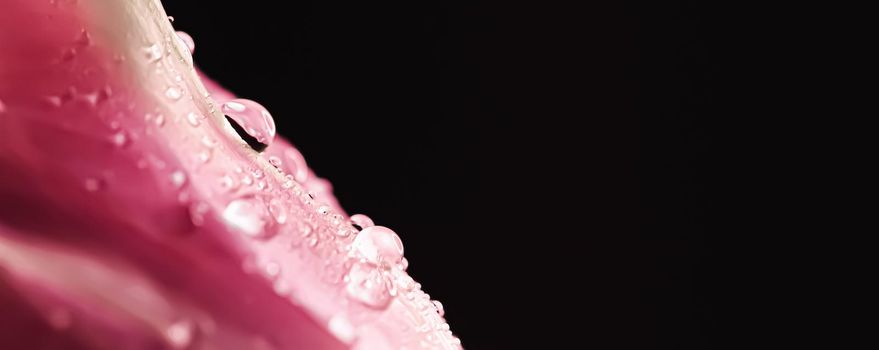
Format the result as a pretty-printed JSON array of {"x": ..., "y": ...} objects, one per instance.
[{"x": 549, "y": 169}]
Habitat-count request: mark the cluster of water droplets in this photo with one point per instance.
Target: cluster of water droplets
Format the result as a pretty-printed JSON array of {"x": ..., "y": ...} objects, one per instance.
[{"x": 363, "y": 260}]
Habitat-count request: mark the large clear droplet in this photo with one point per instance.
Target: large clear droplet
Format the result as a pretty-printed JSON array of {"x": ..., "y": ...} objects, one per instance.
[
  {"x": 379, "y": 245},
  {"x": 250, "y": 216},
  {"x": 253, "y": 118},
  {"x": 367, "y": 285}
]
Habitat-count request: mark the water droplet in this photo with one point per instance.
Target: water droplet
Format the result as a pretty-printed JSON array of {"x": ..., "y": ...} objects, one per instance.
[
  {"x": 204, "y": 156},
  {"x": 208, "y": 142},
  {"x": 278, "y": 211},
  {"x": 345, "y": 231},
  {"x": 92, "y": 184},
  {"x": 187, "y": 40},
  {"x": 180, "y": 334},
  {"x": 439, "y": 307},
  {"x": 192, "y": 119},
  {"x": 246, "y": 180},
  {"x": 250, "y": 217},
  {"x": 296, "y": 165},
  {"x": 160, "y": 120},
  {"x": 119, "y": 139},
  {"x": 173, "y": 93},
  {"x": 2, "y": 107},
  {"x": 197, "y": 212},
  {"x": 253, "y": 118},
  {"x": 227, "y": 182},
  {"x": 178, "y": 178},
  {"x": 273, "y": 269},
  {"x": 367, "y": 285},
  {"x": 404, "y": 264},
  {"x": 341, "y": 328},
  {"x": 68, "y": 54},
  {"x": 83, "y": 39},
  {"x": 153, "y": 52},
  {"x": 362, "y": 220},
  {"x": 171, "y": 19},
  {"x": 275, "y": 161},
  {"x": 379, "y": 245},
  {"x": 323, "y": 209}
]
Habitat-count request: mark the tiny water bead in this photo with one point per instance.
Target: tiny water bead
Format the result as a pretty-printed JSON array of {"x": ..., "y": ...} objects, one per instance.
[
  {"x": 173, "y": 93},
  {"x": 178, "y": 178},
  {"x": 187, "y": 40},
  {"x": 192, "y": 119},
  {"x": 362, "y": 221},
  {"x": 252, "y": 118},
  {"x": 153, "y": 52},
  {"x": 119, "y": 139},
  {"x": 439, "y": 307},
  {"x": 379, "y": 245}
]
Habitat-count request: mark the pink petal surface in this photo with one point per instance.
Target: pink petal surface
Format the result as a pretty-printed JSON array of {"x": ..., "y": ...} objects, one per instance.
[{"x": 133, "y": 216}]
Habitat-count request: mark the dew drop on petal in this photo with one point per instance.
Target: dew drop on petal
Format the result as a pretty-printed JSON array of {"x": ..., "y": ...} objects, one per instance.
[
  {"x": 197, "y": 212},
  {"x": 379, "y": 245},
  {"x": 83, "y": 39},
  {"x": 250, "y": 217},
  {"x": 153, "y": 52},
  {"x": 439, "y": 307},
  {"x": 323, "y": 209},
  {"x": 367, "y": 285},
  {"x": 180, "y": 334},
  {"x": 119, "y": 139},
  {"x": 173, "y": 93},
  {"x": 187, "y": 40},
  {"x": 178, "y": 178},
  {"x": 278, "y": 211},
  {"x": 227, "y": 182},
  {"x": 273, "y": 269},
  {"x": 362, "y": 220},
  {"x": 253, "y": 118},
  {"x": 192, "y": 119},
  {"x": 341, "y": 328},
  {"x": 204, "y": 156},
  {"x": 275, "y": 161}
]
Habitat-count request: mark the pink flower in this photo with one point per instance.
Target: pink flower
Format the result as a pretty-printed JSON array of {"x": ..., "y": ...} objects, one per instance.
[{"x": 134, "y": 216}]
